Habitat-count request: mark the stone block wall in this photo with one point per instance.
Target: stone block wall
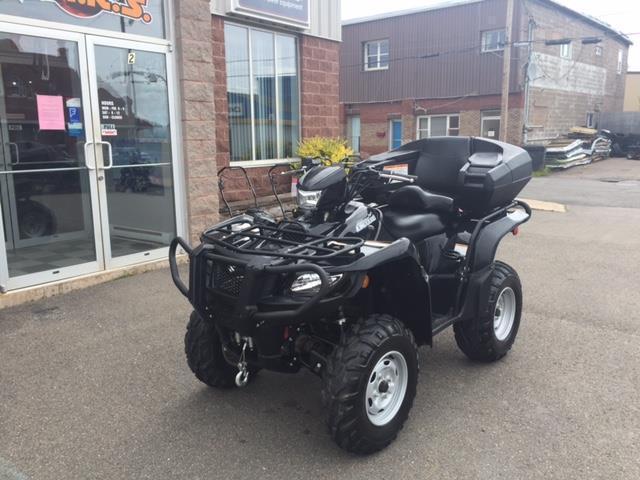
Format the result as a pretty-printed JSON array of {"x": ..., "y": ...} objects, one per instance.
[
  {"x": 196, "y": 77},
  {"x": 589, "y": 81}
]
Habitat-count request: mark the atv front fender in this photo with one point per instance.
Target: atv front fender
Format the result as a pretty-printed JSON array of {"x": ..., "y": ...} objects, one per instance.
[{"x": 397, "y": 286}]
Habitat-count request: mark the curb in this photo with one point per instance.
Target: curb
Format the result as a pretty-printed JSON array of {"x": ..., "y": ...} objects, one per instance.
[
  {"x": 545, "y": 206},
  {"x": 40, "y": 292}
]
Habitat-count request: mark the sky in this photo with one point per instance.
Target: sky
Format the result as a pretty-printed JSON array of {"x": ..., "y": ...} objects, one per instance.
[{"x": 623, "y": 15}]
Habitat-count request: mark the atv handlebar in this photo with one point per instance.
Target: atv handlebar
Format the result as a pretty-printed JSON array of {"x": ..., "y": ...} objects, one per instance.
[{"x": 399, "y": 177}]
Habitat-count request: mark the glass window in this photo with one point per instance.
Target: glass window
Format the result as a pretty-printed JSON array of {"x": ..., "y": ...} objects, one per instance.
[
  {"x": 376, "y": 55},
  {"x": 288, "y": 95},
  {"x": 490, "y": 124},
  {"x": 566, "y": 50},
  {"x": 493, "y": 40},
  {"x": 262, "y": 93},
  {"x": 454, "y": 125},
  {"x": 598, "y": 50},
  {"x": 239, "y": 93},
  {"x": 438, "y": 126},
  {"x": 620, "y": 61}
]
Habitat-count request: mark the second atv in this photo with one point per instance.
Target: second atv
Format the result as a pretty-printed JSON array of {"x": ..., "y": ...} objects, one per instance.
[{"x": 381, "y": 259}]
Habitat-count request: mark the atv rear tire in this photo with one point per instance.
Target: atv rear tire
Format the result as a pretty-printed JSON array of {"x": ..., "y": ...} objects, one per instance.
[
  {"x": 489, "y": 337},
  {"x": 204, "y": 355},
  {"x": 369, "y": 384}
]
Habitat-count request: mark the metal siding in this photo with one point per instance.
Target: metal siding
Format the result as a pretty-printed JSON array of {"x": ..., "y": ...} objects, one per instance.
[
  {"x": 451, "y": 74},
  {"x": 325, "y": 17}
]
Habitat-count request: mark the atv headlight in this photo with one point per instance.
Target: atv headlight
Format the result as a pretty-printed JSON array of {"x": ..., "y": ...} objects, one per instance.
[
  {"x": 309, "y": 283},
  {"x": 308, "y": 198}
]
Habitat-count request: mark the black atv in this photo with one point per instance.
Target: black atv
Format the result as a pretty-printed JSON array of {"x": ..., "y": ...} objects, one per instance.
[{"x": 379, "y": 260}]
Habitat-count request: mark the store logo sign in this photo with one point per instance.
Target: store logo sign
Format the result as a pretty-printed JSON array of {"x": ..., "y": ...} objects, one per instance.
[
  {"x": 133, "y": 9},
  {"x": 289, "y": 12}
]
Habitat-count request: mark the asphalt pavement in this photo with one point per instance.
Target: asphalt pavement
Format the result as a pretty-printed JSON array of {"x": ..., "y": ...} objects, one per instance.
[{"x": 94, "y": 384}]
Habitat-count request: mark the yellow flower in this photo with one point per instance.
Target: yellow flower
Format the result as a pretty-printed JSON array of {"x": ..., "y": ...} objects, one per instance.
[{"x": 331, "y": 150}]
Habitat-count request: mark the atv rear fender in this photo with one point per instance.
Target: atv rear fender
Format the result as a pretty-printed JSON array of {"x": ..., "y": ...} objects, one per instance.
[{"x": 485, "y": 240}]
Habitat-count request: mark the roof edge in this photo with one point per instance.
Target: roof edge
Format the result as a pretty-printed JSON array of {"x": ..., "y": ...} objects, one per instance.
[
  {"x": 589, "y": 19},
  {"x": 456, "y": 3},
  {"x": 409, "y": 11}
]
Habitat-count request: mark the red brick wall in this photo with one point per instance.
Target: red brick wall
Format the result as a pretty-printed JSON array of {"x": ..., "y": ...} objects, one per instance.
[
  {"x": 319, "y": 106},
  {"x": 221, "y": 111},
  {"x": 375, "y": 117}
]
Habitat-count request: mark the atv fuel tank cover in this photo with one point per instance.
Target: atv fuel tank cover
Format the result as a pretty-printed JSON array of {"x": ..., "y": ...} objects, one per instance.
[{"x": 320, "y": 178}]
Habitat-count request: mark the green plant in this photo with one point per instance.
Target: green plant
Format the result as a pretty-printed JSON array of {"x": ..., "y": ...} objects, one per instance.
[
  {"x": 542, "y": 173},
  {"x": 331, "y": 150}
]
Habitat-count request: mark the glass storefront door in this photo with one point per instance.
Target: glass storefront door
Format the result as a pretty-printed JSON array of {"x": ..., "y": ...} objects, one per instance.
[
  {"x": 86, "y": 155},
  {"x": 132, "y": 127},
  {"x": 47, "y": 192}
]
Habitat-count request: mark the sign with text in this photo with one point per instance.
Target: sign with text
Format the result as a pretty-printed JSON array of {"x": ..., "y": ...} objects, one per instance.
[
  {"x": 141, "y": 17},
  {"x": 289, "y": 12},
  {"x": 50, "y": 112},
  {"x": 132, "y": 9}
]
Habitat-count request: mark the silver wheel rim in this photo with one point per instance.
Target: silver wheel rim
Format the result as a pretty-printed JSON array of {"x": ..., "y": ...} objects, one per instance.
[
  {"x": 504, "y": 314},
  {"x": 386, "y": 388}
]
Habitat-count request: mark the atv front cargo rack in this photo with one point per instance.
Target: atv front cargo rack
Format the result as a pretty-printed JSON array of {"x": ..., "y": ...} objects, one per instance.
[{"x": 242, "y": 235}]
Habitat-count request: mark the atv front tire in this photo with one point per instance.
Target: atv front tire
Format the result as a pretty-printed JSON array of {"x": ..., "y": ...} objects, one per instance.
[
  {"x": 369, "y": 384},
  {"x": 204, "y": 355},
  {"x": 490, "y": 336}
]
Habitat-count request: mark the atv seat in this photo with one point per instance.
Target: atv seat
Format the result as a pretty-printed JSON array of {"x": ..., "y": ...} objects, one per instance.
[
  {"x": 414, "y": 226},
  {"x": 416, "y": 214},
  {"x": 413, "y": 198}
]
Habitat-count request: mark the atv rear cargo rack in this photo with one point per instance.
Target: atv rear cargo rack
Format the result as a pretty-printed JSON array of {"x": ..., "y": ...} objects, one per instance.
[{"x": 243, "y": 236}]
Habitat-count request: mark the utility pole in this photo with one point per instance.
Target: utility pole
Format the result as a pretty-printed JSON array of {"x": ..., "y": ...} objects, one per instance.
[{"x": 506, "y": 72}]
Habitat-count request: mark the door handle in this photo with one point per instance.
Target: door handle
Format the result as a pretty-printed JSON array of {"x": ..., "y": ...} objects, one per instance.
[
  {"x": 86, "y": 156},
  {"x": 110, "y": 149},
  {"x": 15, "y": 145}
]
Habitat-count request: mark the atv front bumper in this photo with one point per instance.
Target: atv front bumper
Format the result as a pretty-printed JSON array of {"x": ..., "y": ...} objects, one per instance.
[{"x": 239, "y": 294}]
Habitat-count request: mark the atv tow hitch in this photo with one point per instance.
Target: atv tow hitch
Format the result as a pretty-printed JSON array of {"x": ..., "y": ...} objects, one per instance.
[{"x": 242, "y": 378}]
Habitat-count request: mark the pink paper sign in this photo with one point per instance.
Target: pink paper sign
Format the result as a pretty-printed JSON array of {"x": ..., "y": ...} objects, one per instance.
[{"x": 50, "y": 112}]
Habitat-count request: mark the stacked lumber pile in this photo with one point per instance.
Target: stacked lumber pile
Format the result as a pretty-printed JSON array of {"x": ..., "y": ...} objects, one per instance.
[{"x": 580, "y": 147}]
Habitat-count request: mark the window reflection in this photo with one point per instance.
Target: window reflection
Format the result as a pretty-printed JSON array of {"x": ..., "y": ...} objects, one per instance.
[
  {"x": 135, "y": 120},
  {"x": 262, "y": 93},
  {"x": 239, "y": 92},
  {"x": 287, "y": 67},
  {"x": 44, "y": 184}
]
